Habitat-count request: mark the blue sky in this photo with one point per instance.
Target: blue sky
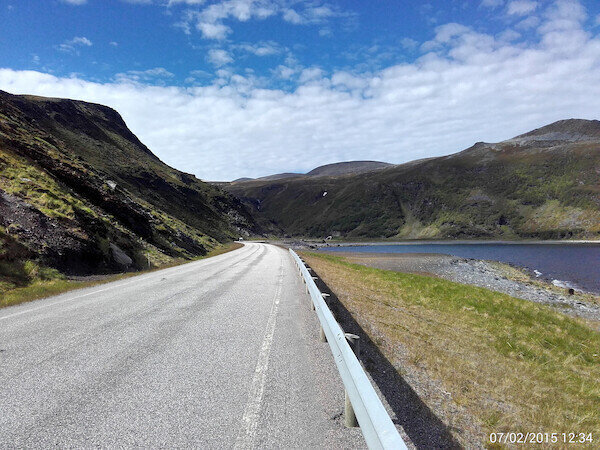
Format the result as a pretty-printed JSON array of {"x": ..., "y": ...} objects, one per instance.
[{"x": 235, "y": 88}]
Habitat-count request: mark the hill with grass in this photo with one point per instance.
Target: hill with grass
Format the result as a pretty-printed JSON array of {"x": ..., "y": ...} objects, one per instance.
[
  {"x": 80, "y": 194},
  {"x": 347, "y": 168},
  {"x": 335, "y": 169},
  {"x": 544, "y": 185}
]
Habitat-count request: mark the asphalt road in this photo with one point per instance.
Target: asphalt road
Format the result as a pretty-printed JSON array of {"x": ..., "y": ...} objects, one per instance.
[{"x": 218, "y": 353}]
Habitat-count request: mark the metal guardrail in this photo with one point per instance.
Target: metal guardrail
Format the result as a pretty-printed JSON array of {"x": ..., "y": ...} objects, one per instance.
[{"x": 375, "y": 423}]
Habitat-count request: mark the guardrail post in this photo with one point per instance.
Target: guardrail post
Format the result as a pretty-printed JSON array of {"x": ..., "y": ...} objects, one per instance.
[
  {"x": 349, "y": 416},
  {"x": 354, "y": 342},
  {"x": 322, "y": 336}
]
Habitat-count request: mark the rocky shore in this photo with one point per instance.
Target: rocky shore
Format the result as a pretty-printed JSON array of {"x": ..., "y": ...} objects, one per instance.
[{"x": 495, "y": 276}]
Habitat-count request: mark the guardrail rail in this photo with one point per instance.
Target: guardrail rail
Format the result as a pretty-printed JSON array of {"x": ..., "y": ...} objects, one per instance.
[{"x": 362, "y": 401}]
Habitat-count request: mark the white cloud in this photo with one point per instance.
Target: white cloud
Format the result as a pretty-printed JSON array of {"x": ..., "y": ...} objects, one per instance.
[
  {"x": 219, "y": 57},
  {"x": 185, "y": 2},
  {"x": 291, "y": 16},
  {"x": 158, "y": 75},
  {"x": 409, "y": 43},
  {"x": 210, "y": 20},
  {"x": 509, "y": 35},
  {"x": 444, "y": 34},
  {"x": 260, "y": 48},
  {"x": 75, "y": 2},
  {"x": 528, "y": 23},
  {"x": 521, "y": 7},
  {"x": 113, "y": 44},
  {"x": 213, "y": 30},
  {"x": 311, "y": 74},
  {"x": 311, "y": 14},
  {"x": 475, "y": 87},
  {"x": 71, "y": 45},
  {"x": 284, "y": 72},
  {"x": 491, "y": 3},
  {"x": 81, "y": 41}
]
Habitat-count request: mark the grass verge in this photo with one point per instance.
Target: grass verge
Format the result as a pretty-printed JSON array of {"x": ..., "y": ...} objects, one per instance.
[
  {"x": 513, "y": 365},
  {"x": 44, "y": 287}
]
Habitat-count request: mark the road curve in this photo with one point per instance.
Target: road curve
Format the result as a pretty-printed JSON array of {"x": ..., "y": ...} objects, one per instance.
[{"x": 217, "y": 353}]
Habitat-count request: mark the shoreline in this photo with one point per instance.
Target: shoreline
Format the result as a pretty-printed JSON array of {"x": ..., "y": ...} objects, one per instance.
[
  {"x": 332, "y": 243},
  {"x": 506, "y": 278}
]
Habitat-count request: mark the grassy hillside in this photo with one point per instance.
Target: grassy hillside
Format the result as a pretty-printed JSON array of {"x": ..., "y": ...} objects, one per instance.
[
  {"x": 346, "y": 168},
  {"x": 484, "y": 361},
  {"x": 545, "y": 184},
  {"x": 80, "y": 194}
]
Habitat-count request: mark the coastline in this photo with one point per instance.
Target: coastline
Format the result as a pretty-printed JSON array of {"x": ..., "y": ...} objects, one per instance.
[
  {"x": 500, "y": 277},
  {"x": 332, "y": 243}
]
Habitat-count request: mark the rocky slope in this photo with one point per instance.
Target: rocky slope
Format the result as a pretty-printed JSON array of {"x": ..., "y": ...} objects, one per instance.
[
  {"x": 80, "y": 193},
  {"x": 544, "y": 184}
]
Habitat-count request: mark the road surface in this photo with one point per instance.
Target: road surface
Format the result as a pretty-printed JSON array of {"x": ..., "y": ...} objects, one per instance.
[{"x": 217, "y": 353}]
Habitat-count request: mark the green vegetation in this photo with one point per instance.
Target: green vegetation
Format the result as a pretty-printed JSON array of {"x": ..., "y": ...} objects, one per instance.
[
  {"x": 31, "y": 282},
  {"x": 46, "y": 288},
  {"x": 491, "y": 191},
  {"x": 80, "y": 193},
  {"x": 512, "y": 365}
]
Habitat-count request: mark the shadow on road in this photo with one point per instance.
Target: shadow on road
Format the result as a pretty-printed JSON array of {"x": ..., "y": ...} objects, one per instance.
[{"x": 422, "y": 426}]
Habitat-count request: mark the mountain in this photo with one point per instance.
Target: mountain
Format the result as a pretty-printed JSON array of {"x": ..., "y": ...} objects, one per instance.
[
  {"x": 543, "y": 184},
  {"x": 347, "y": 168},
  {"x": 328, "y": 170},
  {"x": 279, "y": 176},
  {"x": 80, "y": 193}
]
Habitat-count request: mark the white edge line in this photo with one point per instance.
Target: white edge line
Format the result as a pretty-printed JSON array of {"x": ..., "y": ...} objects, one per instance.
[{"x": 126, "y": 283}]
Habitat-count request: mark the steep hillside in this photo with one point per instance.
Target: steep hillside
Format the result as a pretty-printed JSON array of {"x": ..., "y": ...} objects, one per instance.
[
  {"x": 80, "y": 193},
  {"x": 543, "y": 184}
]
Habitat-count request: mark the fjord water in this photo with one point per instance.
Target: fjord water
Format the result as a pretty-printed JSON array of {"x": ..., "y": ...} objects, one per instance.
[{"x": 570, "y": 265}]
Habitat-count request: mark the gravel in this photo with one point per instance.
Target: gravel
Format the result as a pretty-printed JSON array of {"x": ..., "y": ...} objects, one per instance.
[{"x": 488, "y": 274}]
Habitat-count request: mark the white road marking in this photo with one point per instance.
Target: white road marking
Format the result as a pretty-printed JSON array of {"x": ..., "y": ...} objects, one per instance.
[{"x": 251, "y": 416}]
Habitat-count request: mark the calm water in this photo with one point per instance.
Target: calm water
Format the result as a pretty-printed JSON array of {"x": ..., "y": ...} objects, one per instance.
[{"x": 572, "y": 265}]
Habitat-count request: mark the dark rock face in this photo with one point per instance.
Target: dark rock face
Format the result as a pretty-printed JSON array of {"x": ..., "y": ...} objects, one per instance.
[
  {"x": 120, "y": 257},
  {"x": 40, "y": 235}
]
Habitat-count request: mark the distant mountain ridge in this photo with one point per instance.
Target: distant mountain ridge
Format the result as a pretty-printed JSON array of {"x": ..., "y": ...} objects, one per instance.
[
  {"x": 80, "y": 193},
  {"x": 327, "y": 170},
  {"x": 544, "y": 184},
  {"x": 348, "y": 167},
  {"x": 570, "y": 130}
]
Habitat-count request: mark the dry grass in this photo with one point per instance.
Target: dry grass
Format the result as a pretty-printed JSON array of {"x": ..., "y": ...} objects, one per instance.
[
  {"x": 40, "y": 288},
  {"x": 513, "y": 365},
  {"x": 46, "y": 288}
]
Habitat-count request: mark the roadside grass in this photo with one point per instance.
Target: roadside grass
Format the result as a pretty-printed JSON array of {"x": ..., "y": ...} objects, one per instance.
[
  {"x": 46, "y": 282},
  {"x": 513, "y": 365},
  {"x": 46, "y": 288}
]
